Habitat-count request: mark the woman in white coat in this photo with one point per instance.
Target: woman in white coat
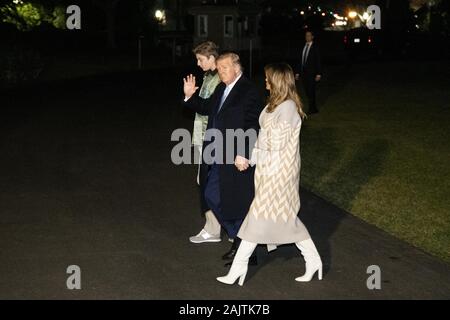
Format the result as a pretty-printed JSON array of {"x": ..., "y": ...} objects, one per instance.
[{"x": 272, "y": 218}]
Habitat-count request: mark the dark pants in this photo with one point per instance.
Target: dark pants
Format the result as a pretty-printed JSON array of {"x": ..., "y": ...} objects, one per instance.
[
  {"x": 309, "y": 83},
  {"x": 212, "y": 197}
]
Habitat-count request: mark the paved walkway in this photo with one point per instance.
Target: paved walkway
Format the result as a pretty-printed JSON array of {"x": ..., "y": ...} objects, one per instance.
[{"x": 86, "y": 179}]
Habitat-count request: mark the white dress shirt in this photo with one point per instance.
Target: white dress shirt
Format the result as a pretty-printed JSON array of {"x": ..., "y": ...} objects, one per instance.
[{"x": 228, "y": 90}]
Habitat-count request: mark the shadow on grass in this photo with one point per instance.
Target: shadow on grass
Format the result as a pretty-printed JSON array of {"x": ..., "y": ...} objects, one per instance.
[
  {"x": 343, "y": 186},
  {"x": 320, "y": 153},
  {"x": 366, "y": 163}
]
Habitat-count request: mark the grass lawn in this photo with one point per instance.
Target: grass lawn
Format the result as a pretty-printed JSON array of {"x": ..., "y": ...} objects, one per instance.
[{"x": 380, "y": 148}]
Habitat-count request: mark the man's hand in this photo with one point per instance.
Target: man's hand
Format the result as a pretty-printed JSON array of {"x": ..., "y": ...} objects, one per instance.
[
  {"x": 318, "y": 77},
  {"x": 241, "y": 163},
  {"x": 297, "y": 76},
  {"x": 189, "y": 87}
]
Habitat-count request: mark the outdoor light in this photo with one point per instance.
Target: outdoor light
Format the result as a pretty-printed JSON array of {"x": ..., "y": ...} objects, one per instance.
[
  {"x": 323, "y": 14},
  {"x": 159, "y": 14},
  {"x": 352, "y": 14},
  {"x": 302, "y": 12},
  {"x": 365, "y": 16}
]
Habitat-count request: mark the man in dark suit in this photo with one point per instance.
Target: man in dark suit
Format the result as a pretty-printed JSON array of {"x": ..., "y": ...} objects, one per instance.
[
  {"x": 310, "y": 70},
  {"x": 235, "y": 104}
]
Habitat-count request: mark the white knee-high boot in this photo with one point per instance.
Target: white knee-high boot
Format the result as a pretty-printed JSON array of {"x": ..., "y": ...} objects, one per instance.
[
  {"x": 312, "y": 259},
  {"x": 240, "y": 264}
]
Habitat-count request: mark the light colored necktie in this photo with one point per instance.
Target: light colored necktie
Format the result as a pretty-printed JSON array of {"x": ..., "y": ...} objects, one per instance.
[
  {"x": 305, "y": 53},
  {"x": 224, "y": 97}
]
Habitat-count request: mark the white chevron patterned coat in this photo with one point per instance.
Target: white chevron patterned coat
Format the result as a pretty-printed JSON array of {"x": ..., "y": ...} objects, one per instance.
[{"x": 272, "y": 218}]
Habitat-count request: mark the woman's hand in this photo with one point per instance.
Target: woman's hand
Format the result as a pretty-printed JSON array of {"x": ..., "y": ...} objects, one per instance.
[
  {"x": 189, "y": 87},
  {"x": 241, "y": 163}
]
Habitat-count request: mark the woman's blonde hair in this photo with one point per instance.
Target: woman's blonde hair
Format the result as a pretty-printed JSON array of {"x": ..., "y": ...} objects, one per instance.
[{"x": 281, "y": 79}]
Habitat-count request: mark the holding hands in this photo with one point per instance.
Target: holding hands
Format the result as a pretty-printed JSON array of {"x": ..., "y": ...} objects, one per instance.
[
  {"x": 241, "y": 163},
  {"x": 189, "y": 87}
]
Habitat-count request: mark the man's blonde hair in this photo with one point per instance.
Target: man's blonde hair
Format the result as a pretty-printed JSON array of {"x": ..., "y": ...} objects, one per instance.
[
  {"x": 233, "y": 56},
  {"x": 207, "y": 49}
]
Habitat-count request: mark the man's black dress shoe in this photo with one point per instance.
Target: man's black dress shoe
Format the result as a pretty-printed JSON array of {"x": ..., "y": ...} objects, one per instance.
[{"x": 234, "y": 247}]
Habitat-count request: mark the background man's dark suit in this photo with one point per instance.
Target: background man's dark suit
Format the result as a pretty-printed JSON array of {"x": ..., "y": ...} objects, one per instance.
[
  {"x": 308, "y": 72},
  {"x": 240, "y": 110}
]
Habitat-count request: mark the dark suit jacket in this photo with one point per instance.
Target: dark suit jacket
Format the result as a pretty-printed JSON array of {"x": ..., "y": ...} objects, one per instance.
[
  {"x": 241, "y": 110},
  {"x": 313, "y": 65}
]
